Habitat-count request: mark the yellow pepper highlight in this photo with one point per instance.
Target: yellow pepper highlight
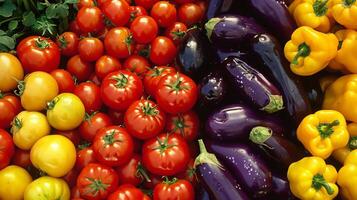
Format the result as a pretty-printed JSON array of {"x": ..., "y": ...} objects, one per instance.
[
  {"x": 323, "y": 132},
  {"x": 311, "y": 179},
  {"x": 310, "y": 51},
  {"x": 345, "y": 12},
  {"x": 341, "y": 154},
  {"x": 347, "y": 177}
]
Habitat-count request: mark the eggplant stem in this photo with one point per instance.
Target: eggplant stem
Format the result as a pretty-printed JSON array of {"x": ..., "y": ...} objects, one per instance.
[
  {"x": 209, "y": 26},
  {"x": 205, "y": 157},
  {"x": 260, "y": 134},
  {"x": 318, "y": 181},
  {"x": 275, "y": 104}
]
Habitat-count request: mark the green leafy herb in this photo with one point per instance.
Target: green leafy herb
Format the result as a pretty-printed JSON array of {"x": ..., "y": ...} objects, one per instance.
[{"x": 7, "y": 8}]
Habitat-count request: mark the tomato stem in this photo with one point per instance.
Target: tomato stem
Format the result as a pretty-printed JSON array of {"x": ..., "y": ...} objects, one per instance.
[
  {"x": 1, "y": 95},
  {"x": 180, "y": 125},
  {"x": 20, "y": 88},
  {"x": 163, "y": 145},
  {"x": 141, "y": 172},
  {"x": 84, "y": 144},
  {"x": 52, "y": 104},
  {"x": 63, "y": 42},
  {"x": 122, "y": 80},
  {"x": 42, "y": 44},
  {"x": 128, "y": 42},
  {"x": 176, "y": 86},
  {"x": 168, "y": 181},
  {"x": 149, "y": 110},
  {"x": 17, "y": 123},
  {"x": 96, "y": 186},
  {"x": 109, "y": 138}
]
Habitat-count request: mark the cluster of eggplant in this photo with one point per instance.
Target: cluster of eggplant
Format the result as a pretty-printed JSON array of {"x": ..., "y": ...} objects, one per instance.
[{"x": 249, "y": 99}]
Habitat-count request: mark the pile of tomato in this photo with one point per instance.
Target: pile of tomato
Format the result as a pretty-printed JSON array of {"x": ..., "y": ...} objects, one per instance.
[{"x": 102, "y": 112}]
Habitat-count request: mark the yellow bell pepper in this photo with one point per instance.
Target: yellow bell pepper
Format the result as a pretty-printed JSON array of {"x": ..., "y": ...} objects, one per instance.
[
  {"x": 345, "y": 12},
  {"x": 323, "y": 132},
  {"x": 326, "y": 81},
  {"x": 347, "y": 177},
  {"x": 341, "y": 95},
  {"x": 310, "y": 51},
  {"x": 341, "y": 154},
  {"x": 293, "y": 5},
  {"x": 311, "y": 179}
]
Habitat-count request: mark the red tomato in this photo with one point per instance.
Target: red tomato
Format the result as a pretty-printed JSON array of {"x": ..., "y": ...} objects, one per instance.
[
  {"x": 64, "y": 80},
  {"x": 147, "y": 4},
  {"x": 137, "y": 64},
  {"x": 174, "y": 189},
  {"x": 184, "y": 1},
  {"x": 154, "y": 180},
  {"x": 176, "y": 32},
  {"x": 92, "y": 123},
  {"x": 144, "y": 119},
  {"x": 120, "y": 89},
  {"x": 90, "y": 49},
  {"x": 203, "y": 5},
  {"x": 79, "y": 68},
  {"x": 7, "y": 112},
  {"x": 75, "y": 195},
  {"x": 133, "y": 172},
  {"x": 94, "y": 79},
  {"x": 142, "y": 50},
  {"x": 190, "y": 173},
  {"x": 89, "y": 93},
  {"x": 116, "y": 116},
  {"x": 73, "y": 27},
  {"x": 166, "y": 155},
  {"x": 113, "y": 146},
  {"x": 118, "y": 42},
  {"x": 117, "y": 11},
  {"x": 105, "y": 65},
  {"x": 144, "y": 29},
  {"x": 21, "y": 158},
  {"x": 164, "y": 13},
  {"x": 186, "y": 124},
  {"x": 190, "y": 13},
  {"x": 68, "y": 43},
  {"x": 7, "y": 148},
  {"x": 97, "y": 181},
  {"x": 71, "y": 177},
  {"x": 38, "y": 54},
  {"x": 153, "y": 77},
  {"x": 73, "y": 135},
  {"x": 136, "y": 11},
  {"x": 127, "y": 192},
  {"x": 85, "y": 3},
  {"x": 90, "y": 19},
  {"x": 163, "y": 51},
  {"x": 13, "y": 100},
  {"x": 84, "y": 157}
]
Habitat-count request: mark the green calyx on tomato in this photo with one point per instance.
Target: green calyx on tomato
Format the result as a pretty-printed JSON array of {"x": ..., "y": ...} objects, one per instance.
[
  {"x": 163, "y": 144},
  {"x": 149, "y": 110},
  {"x": 141, "y": 173},
  {"x": 20, "y": 88},
  {"x": 1, "y": 95},
  {"x": 170, "y": 182},
  {"x": 178, "y": 34},
  {"x": 156, "y": 72},
  {"x": 42, "y": 44},
  {"x": 121, "y": 80},
  {"x": 176, "y": 86},
  {"x": 96, "y": 186},
  {"x": 180, "y": 124},
  {"x": 63, "y": 42},
  {"x": 128, "y": 42},
  {"x": 83, "y": 145},
  {"x": 109, "y": 138},
  {"x": 88, "y": 117},
  {"x": 17, "y": 123},
  {"x": 51, "y": 104}
]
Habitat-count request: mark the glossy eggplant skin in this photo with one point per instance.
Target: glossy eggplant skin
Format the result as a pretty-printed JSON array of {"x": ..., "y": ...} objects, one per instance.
[
  {"x": 252, "y": 85},
  {"x": 202, "y": 194},
  {"x": 280, "y": 188},
  {"x": 223, "y": 54},
  {"x": 216, "y": 7},
  {"x": 234, "y": 122},
  {"x": 265, "y": 50},
  {"x": 212, "y": 90},
  {"x": 247, "y": 167}
]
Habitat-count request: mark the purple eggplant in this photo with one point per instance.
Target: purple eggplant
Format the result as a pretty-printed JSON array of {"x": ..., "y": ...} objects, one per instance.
[
  {"x": 223, "y": 54},
  {"x": 248, "y": 168},
  {"x": 280, "y": 189},
  {"x": 217, "y": 7},
  {"x": 253, "y": 86},
  {"x": 202, "y": 194},
  {"x": 212, "y": 90},
  {"x": 234, "y": 122},
  {"x": 231, "y": 31},
  {"x": 314, "y": 92},
  {"x": 215, "y": 178},
  {"x": 275, "y": 146}
]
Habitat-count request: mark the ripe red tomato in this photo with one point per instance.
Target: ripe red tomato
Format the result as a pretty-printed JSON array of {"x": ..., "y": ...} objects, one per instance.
[
  {"x": 174, "y": 189},
  {"x": 190, "y": 173},
  {"x": 85, "y": 3},
  {"x": 73, "y": 135},
  {"x": 14, "y": 100},
  {"x": 128, "y": 192},
  {"x": 117, "y": 117},
  {"x": 176, "y": 93},
  {"x": 84, "y": 157},
  {"x": 113, "y": 146},
  {"x": 164, "y": 13},
  {"x": 89, "y": 93},
  {"x": 97, "y": 181},
  {"x": 92, "y": 123},
  {"x": 75, "y": 194},
  {"x": 163, "y": 51},
  {"x": 133, "y": 172},
  {"x": 90, "y": 19},
  {"x": 186, "y": 124},
  {"x": 120, "y": 89},
  {"x": 7, "y": 148},
  {"x": 90, "y": 49},
  {"x": 176, "y": 32},
  {"x": 136, "y": 11},
  {"x": 105, "y": 65},
  {"x": 142, "y": 50},
  {"x": 21, "y": 158},
  {"x": 38, "y": 54},
  {"x": 68, "y": 43},
  {"x": 153, "y": 77},
  {"x": 166, "y": 155},
  {"x": 147, "y": 4},
  {"x": 190, "y": 13},
  {"x": 71, "y": 177},
  {"x": 144, "y": 29},
  {"x": 117, "y": 11},
  {"x": 7, "y": 113},
  {"x": 137, "y": 64},
  {"x": 119, "y": 43},
  {"x": 79, "y": 68},
  {"x": 73, "y": 27},
  {"x": 144, "y": 119},
  {"x": 64, "y": 80}
]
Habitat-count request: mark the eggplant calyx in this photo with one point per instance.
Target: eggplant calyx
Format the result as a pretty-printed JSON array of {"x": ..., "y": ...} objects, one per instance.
[
  {"x": 303, "y": 51},
  {"x": 348, "y": 3},
  {"x": 320, "y": 7},
  {"x": 275, "y": 104},
  {"x": 326, "y": 129},
  {"x": 209, "y": 26},
  {"x": 260, "y": 134},
  {"x": 318, "y": 181},
  {"x": 352, "y": 143},
  {"x": 205, "y": 157}
]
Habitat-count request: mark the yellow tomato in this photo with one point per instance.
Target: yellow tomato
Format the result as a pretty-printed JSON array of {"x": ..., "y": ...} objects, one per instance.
[
  {"x": 53, "y": 154},
  {"x": 28, "y": 127},
  {"x": 36, "y": 90},
  {"x": 65, "y": 112},
  {"x": 11, "y": 71},
  {"x": 13, "y": 182},
  {"x": 47, "y": 188}
]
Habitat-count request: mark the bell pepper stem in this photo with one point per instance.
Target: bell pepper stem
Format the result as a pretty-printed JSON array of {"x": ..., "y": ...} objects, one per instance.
[
  {"x": 348, "y": 3},
  {"x": 303, "y": 51},
  {"x": 318, "y": 181},
  {"x": 352, "y": 144},
  {"x": 320, "y": 8},
  {"x": 326, "y": 129}
]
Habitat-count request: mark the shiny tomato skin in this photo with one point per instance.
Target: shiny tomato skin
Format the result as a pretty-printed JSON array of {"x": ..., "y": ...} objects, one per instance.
[
  {"x": 127, "y": 192},
  {"x": 163, "y": 51},
  {"x": 7, "y": 113},
  {"x": 131, "y": 173},
  {"x": 190, "y": 13},
  {"x": 73, "y": 27},
  {"x": 92, "y": 123},
  {"x": 176, "y": 32},
  {"x": 38, "y": 54},
  {"x": 85, "y": 3},
  {"x": 120, "y": 89},
  {"x": 89, "y": 93},
  {"x": 13, "y": 100},
  {"x": 137, "y": 64},
  {"x": 153, "y": 76},
  {"x": 7, "y": 148},
  {"x": 119, "y": 43},
  {"x": 186, "y": 124},
  {"x": 175, "y": 189},
  {"x": 164, "y": 13},
  {"x": 21, "y": 158},
  {"x": 68, "y": 43},
  {"x": 117, "y": 11},
  {"x": 84, "y": 157},
  {"x": 64, "y": 80},
  {"x": 166, "y": 155},
  {"x": 113, "y": 146},
  {"x": 90, "y": 49},
  {"x": 90, "y": 19},
  {"x": 136, "y": 11},
  {"x": 144, "y": 29},
  {"x": 147, "y": 4},
  {"x": 73, "y": 135},
  {"x": 105, "y": 65},
  {"x": 79, "y": 68}
]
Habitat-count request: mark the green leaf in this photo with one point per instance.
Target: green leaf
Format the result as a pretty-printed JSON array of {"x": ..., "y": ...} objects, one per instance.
[
  {"x": 7, "y": 8},
  {"x": 2, "y": 32},
  {"x": 41, "y": 6},
  {"x": 7, "y": 41},
  {"x": 71, "y": 1},
  {"x": 13, "y": 25},
  {"x": 3, "y": 48},
  {"x": 56, "y": 11},
  {"x": 28, "y": 19}
]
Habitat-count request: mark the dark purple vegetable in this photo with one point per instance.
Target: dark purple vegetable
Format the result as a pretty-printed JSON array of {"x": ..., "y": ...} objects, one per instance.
[
  {"x": 266, "y": 51},
  {"x": 247, "y": 167},
  {"x": 217, "y": 7},
  {"x": 216, "y": 179},
  {"x": 223, "y": 54},
  {"x": 212, "y": 90},
  {"x": 275, "y": 146},
  {"x": 281, "y": 189},
  {"x": 314, "y": 92},
  {"x": 252, "y": 86},
  {"x": 202, "y": 194},
  {"x": 234, "y": 122},
  {"x": 231, "y": 31}
]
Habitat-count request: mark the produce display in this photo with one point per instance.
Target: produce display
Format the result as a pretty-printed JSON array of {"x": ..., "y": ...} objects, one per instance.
[{"x": 178, "y": 100}]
